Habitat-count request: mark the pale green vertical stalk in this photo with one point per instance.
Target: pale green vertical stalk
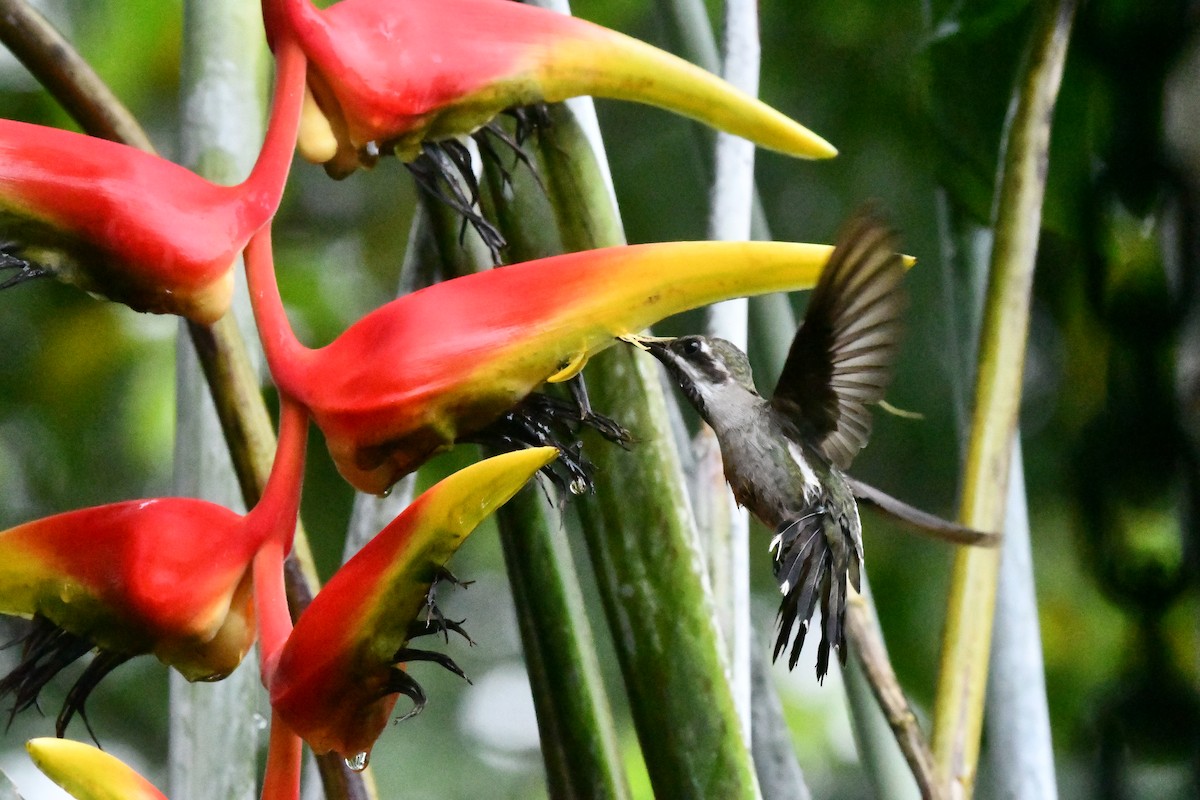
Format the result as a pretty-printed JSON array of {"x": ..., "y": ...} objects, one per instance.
[
  {"x": 1020, "y": 751},
  {"x": 881, "y": 757},
  {"x": 1025, "y": 155},
  {"x": 731, "y": 199},
  {"x": 690, "y": 34},
  {"x": 7, "y": 790},
  {"x": 214, "y": 728}
]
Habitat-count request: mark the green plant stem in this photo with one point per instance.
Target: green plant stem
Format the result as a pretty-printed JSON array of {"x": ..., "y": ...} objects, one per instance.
[
  {"x": 578, "y": 735},
  {"x": 894, "y": 751},
  {"x": 577, "y": 732},
  {"x": 963, "y": 677},
  {"x": 640, "y": 533}
]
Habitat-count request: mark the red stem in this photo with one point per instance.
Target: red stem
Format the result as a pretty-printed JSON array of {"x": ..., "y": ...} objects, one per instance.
[
  {"x": 282, "y": 778},
  {"x": 270, "y": 607},
  {"x": 284, "y": 352},
  {"x": 274, "y": 515},
  {"x": 262, "y": 190}
]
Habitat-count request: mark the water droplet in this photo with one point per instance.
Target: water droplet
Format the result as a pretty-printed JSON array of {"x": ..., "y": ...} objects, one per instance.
[
  {"x": 259, "y": 722},
  {"x": 385, "y": 493},
  {"x": 579, "y": 486},
  {"x": 359, "y": 762}
]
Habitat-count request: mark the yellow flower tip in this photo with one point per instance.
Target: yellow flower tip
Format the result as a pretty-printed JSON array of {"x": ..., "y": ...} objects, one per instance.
[
  {"x": 604, "y": 63},
  {"x": 88, "y": 773},
  {"x": 572, "y": 368},
  {"x": 495, "y": 480}
]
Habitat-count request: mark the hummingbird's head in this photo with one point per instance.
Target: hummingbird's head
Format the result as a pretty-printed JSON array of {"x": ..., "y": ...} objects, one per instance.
[{"x": 713, "y": 373}]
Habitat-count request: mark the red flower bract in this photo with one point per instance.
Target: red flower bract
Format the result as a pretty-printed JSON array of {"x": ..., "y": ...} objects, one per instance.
[
  {"x": 413, "y": 377},
  {"x": 391, "y": 74},
  {"x": 134, "y": 227},
  {"x": 168, "y": 576},
  {"x": 339, "y": 674}
]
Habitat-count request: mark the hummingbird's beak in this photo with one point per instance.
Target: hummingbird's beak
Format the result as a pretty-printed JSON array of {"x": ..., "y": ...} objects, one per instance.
[{"x": 654, "y": 345}]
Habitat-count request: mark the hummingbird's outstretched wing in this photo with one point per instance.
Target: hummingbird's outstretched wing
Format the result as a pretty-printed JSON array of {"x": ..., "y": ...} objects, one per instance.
[{"x": 841, "y": 358}]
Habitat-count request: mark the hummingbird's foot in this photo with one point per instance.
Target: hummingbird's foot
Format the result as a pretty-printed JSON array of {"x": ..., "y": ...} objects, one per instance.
[
  {"x": 540, "y": 420},
  {"x": 806, "y": 571},
  {"x": 22, "y": 268}
]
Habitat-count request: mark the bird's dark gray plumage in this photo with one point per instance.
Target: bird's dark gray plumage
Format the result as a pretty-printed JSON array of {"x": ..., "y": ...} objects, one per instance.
[{"x": 784, "y": 457}]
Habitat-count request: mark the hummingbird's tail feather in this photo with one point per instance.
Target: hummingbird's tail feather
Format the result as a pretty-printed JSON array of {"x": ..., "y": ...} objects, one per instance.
[
  {"x": 809, "y": 569},
  {"x": 804, "y": 568}
]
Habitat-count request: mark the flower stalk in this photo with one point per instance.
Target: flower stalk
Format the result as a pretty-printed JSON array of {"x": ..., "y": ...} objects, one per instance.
[
  {"x": 658, "y": 610},
  {"x": 1025, "y": 152}
]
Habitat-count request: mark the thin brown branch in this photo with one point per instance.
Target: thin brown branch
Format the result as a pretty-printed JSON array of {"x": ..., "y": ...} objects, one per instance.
[
  {"x": 67, "y": 77},
  {"x": 866, "y": 641}
]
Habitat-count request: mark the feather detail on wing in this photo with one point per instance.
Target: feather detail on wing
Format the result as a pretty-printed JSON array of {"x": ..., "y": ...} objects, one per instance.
[{"x": 840, "y": 361}]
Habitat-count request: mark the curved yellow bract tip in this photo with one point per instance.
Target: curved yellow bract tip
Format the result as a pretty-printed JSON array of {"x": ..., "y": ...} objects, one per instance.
[
  {"x": 88, "y": 773},
  {"x": 610, "y": 64},
  {"x": 467, "y": 497}
]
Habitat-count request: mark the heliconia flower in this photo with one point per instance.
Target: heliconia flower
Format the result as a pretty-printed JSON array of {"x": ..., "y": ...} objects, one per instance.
[
  {"x": 340, "y": 672},
  {"x": 391, "y": 74},
  {"x": 168, "y": 576},
  {"x": 131, "y": 226},
  {"x": 89, "y": 773},
  {"x": 441, "y": 364}
]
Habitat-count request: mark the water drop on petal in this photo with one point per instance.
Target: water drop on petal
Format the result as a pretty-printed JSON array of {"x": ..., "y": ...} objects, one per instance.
[
  {"x": 359, "y": 762},
  {"x": 579, "y": 486}
]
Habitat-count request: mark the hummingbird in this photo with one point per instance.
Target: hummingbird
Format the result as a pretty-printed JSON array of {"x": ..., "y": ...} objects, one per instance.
[{"x": 785, "y": 457}]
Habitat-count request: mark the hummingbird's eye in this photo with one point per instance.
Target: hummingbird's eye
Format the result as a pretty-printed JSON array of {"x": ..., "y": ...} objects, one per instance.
[{"x": 691, "y": 347}]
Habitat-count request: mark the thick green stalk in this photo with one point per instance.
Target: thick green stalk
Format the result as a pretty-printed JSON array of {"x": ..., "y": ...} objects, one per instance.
[
  {"x": 577, "y": 731},
  {"x": 578, "y": 735},
  {"x": 962, "y": 682},
  {"x": 640, "y": 532}
]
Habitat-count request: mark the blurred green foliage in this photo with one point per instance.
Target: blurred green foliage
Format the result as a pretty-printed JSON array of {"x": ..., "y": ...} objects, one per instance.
[{"x": 914, "y": 96}]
